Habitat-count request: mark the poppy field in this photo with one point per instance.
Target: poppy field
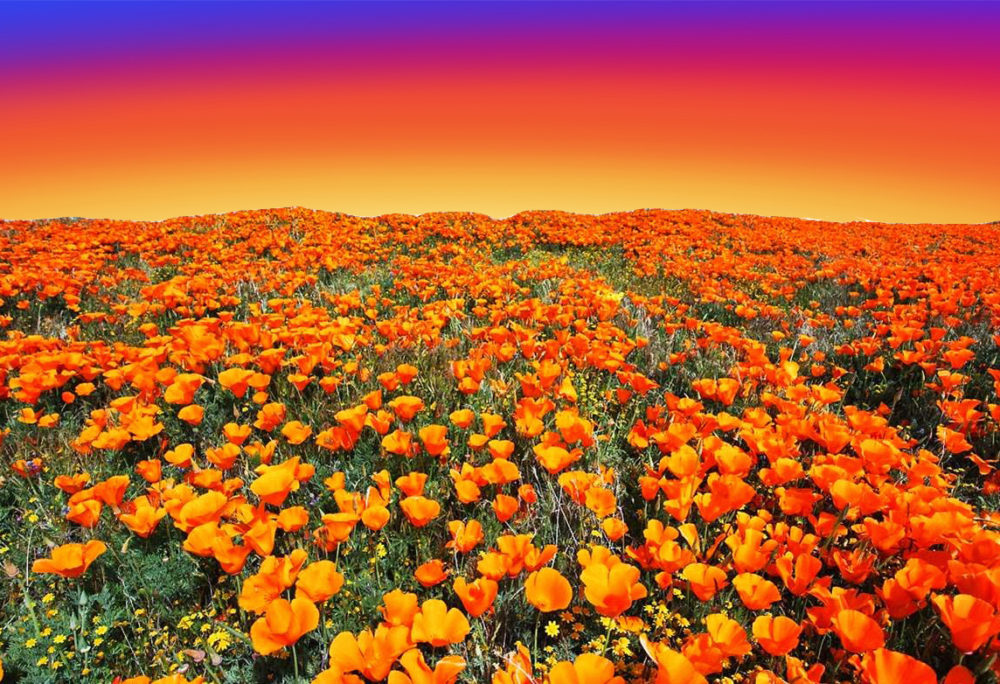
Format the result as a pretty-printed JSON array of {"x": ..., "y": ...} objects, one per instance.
[{"x": 656, "y": 446}]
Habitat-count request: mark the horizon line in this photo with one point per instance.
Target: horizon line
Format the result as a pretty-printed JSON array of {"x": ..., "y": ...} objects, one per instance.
[{"x": 497, "y": 218}]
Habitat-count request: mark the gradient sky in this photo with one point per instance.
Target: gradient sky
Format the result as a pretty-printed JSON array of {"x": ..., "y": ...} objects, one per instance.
[{"x": 834, "y": 110}]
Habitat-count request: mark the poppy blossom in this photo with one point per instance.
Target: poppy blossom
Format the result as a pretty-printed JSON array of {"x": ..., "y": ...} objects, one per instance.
[
  {"x": 776, "y": 635},
  {"x": 192, "y": 414},
  {"x": 587, "y": 668},
  {"x": 406, "y": 407},
  {"x": 858, "y": 632},
  {"x": 971, "y": 620},
  {"x": 882, "y": 666},
  {"x": 547, "y": 590},
  {"x": 727, "y": 635},
  {"x": 236, "y": 380},
  {"x": 372, "y": 654},
  {"x": 505, "y": 507},
  {"x": 477, "y": 597},
  {"x": 755, "y": 592},
  {"x": 431, "y": 573},
  {"x": 181, "y": 390},
  {"x": 284, "y": 622},
  {"x": 276, "y": 482},
  {"x": 437, "y": 625},
  {"x": 70, "y": 560},
  {"x": 412, "y": 484},
  {"x": 144, "y": 517},
  {"x": 672, "y": 667},
  {"x": 420, "y": 510},
  {"x": 445, "y": 671},
  {"x": 465, "y": 536},
  {"x": 612, "y": 589},
  {"x": 318, "y": 581},
  {"x": 293, "y": 518},
  {"x": 295, "y": 432},
  {"x": 705, "y": 580},
  {"x": 399, "y": 607},
  {"x": 462, "y": 418}
]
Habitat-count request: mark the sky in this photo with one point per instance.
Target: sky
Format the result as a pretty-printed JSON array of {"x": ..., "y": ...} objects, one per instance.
[{"x": 831, "y": 110}]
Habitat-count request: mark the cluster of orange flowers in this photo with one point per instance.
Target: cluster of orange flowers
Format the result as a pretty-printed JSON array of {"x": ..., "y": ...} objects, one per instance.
[{"x": 717, "y": 414}]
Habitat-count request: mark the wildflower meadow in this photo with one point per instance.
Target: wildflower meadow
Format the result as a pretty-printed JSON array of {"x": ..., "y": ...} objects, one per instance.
[{"x": 657, "y": 446}]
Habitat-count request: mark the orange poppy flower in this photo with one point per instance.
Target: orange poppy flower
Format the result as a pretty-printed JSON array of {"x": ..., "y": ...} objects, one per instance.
[
  {"x": 412, "y": 484},
  {"x": 705, "y": 580},
  {"x": 295, "y": 432},
  {"x": 144, "y": 518},
  {"x": 389, "y": 381},
  {"x": 959, "y": 675},
  {"x": 756, "y": 592},
  {"x": 406, "y": 373},
  {"x": 612, "y": 589},
  {"x": 398, "y": 442},
  {"x": 274, "y": 576},
  {"x": 419, "y": 510},
  {"x": 71, "y": 484},
  {"x": 150, "y": 470},
  {"x": 270, "y": 416},
  {"x": 230, "y": 557},
  {"x": 181, "y": 390},
  {"x": 587, "y": 668},
  {"x": 462, "y": 418},
  {"x": 236, "y": 380},
  {"x": 86, "y": 513},
  {"x": 192, "y": 414},
  {"x": 434, "y": 439},
  {"x": 505, "y": 507},
  {"x": 492, "y": 424},
  {"x": 547, "y": 590},
  {"x": 971, "y": 620},
  {"x": 110, "y": 491},
  {"x": 882, "y": 666},
  {"x": 235, "y": 433},
  {"x": 373, "y": 400},
  {"x": 555, "y": 458},
  {"x": 431, "y": 573},
  {"x": 438, "y": 625},
  {"x": 198, "y": 510},
  {"x": 776, "y": 635},
  {"x": 418, "y": 671},
  {"x": 518, "y": 668},
  {"x": 276, "y": 482},
  {"x": 464, "y": 536},
  {"x": 318, "y": 581},
  {"x": 353, "y": 419},
  {"x": 614, "y": 528},
  {"x": 375, "y": 517},
  {"x": 477, "y": 597},
  {"x": 671, "y": 667},
  {"x": 70, "y": 560},
  {"x": 798, "y": 572},
  {"x": 406, "y": 407},
  {"x": 398, "y": 608},
  {"x": 727, "y": 635},
  {"x": 180, "y": 455},
  {"x": 293, "y": 518},
  {"x": 371, "y": 653},
  {"x": 284, "y": 622},
  {"x": 337, "y": 528},
  {"x": 203, "y": 539},
  {"x": 858, "y": 632}
]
